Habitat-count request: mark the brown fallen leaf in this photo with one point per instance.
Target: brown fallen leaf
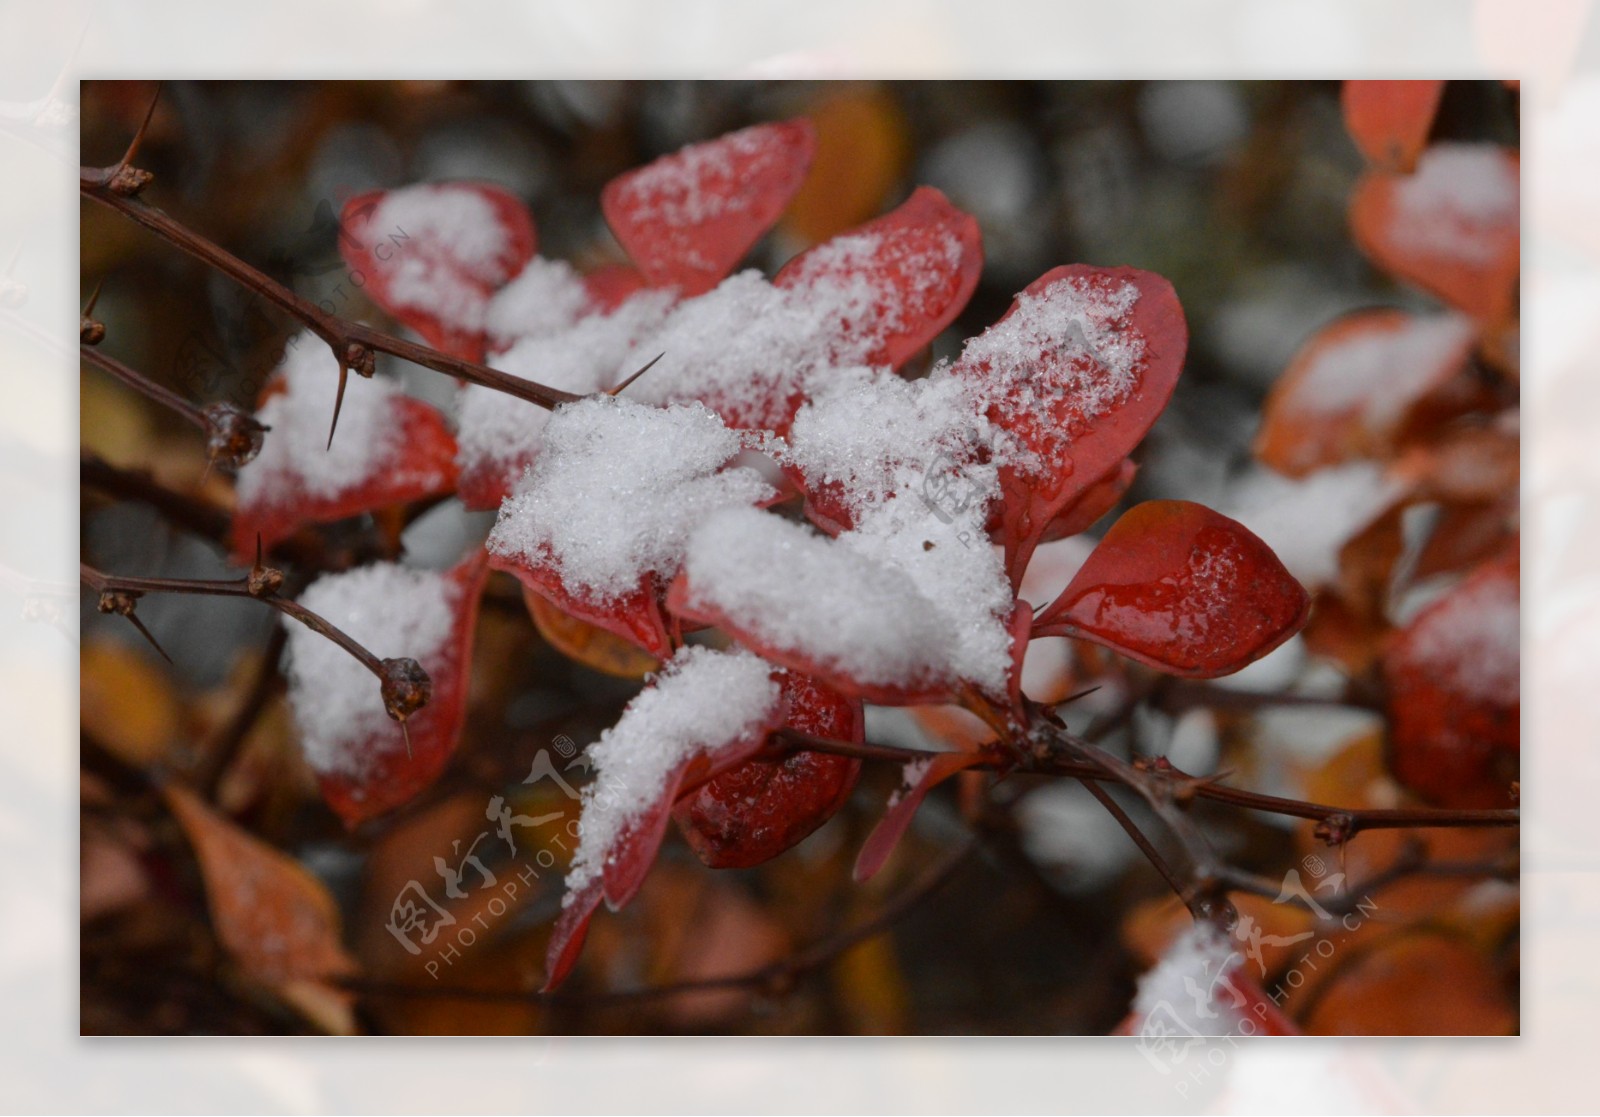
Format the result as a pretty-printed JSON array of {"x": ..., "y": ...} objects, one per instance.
[{"x": 277, "y": 920}]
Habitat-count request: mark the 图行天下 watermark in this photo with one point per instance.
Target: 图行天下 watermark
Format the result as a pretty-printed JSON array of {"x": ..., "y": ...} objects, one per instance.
[
  {"x": 533, "y": 845},
  {"x": 1191, "y": 1041}
]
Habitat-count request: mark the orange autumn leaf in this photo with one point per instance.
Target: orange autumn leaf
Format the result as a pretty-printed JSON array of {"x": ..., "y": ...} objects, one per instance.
[
  {"x": 862, "y": 148},
  {"x": 276, "y": 919},
  {"x": 1390, "y": 120},
  {"x": 1414, "y": 984},
  {"x": 587, "y": 643},
  {"x": 1453, "y": 228}
]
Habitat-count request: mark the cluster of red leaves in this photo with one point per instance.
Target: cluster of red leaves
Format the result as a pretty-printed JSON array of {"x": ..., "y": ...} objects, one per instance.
[
  {"x": 1445, "y": 434},
  {"x": 1139, "y": 594}
]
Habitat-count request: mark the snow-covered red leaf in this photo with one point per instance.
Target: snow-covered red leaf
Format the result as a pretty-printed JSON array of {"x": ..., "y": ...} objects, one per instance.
[
  {"x": 389, "y": 449},
  {"x": 585, "y": 351},
  {"x": 433, "y": 255},
  {"x": 909, "y": 614},
  {"x": 1182, "y": 588},
  {"x": 1350, "y": 389},
  {"x": 359, "y": 754},
  {"x": 1452, "y": 227},
  {"x": 915, "y": 267},
  {"x": 600, "y": 522},
  {"x": 1390, "y": 120},
  {"x": 1073, "y": 376},
  {"x": 1454, "y": 691},
  {"x": 919, "y": 778},
  {"x": 1202, "y": 987},
  {"x": 706, "y": 712},
  {"x": 689, "y": 217},
  {"x": 752, "y": 813},
  {"x": 276, "y": 919}
]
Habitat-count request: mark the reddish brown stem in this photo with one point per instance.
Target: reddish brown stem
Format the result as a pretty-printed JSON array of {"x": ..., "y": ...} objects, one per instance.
[
  {"x": 1359, "y": 818},
  {"x": 353, "y": 344},
  {"x": 101, "y": 582}
]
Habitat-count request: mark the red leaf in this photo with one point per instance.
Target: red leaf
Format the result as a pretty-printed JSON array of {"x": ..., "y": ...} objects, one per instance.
[
  {"x": 752, "y": 813},
  {"x": 626, "y": 858},
  {"x": 1452, "y": 228},
  {"x": 611, "y": 285},
  {"x": 390, "y": 777},
  {"x": 635, "y": 616},
  {"x": 1350, "y": 389},
  {"x": 485, "y": 483},
  {"x": 1390, "y": 120},
  {"x": 689, "y": 217},
  {"x": 887, "y": 834},
  {"x": 1098, "y": 499},
  {"x": 922, "y": 261},
  {"x": 433, "y": 255},
  {"x": 1077, "y": 376},
  {"x": 566, "y": 937},
  {"x": 1454, "y": 697},
  {"x": 1237, "y": 994},
  {"x": 419, "y": 461},
  {"x": 629, "y": 859},
  {"x": 1182, "y": 588}
]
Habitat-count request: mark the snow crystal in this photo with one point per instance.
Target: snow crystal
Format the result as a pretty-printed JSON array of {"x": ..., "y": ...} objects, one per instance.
[
  {"x": 701, "y": 701},
  {"x": 748, "y": 347},
  {"x": 1380, "y": 372},
  {"x": 449, "y": 247},
  {"x": 1069, "y": 342},
  {"x": 297, "y": 445},
  {"x": 900, "y": 601},
  {"x": 583, "y": 358},
  {"x": 1306, "y": 522},
  {"x": 454, "y": 217},
  {"x": 684, "y": 188},
  {"x": 1185, "y": 989},
  {"x": 388, "y": 609},
  {"x": 874, "y": 434},
  {"x": 873, "y": 279},
  {"x": 1472, "y": 641},
  {"x": 616, "y": 489},
  {"x": 546, "y": 297},
  {"x": 1461, "y": 199},
  {"x": 801, "y": 593}
]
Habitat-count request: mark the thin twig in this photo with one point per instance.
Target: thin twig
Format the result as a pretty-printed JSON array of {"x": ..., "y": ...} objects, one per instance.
[
  {"x": 166, "y": 397},
  {"x": 103, "y": 583},
  {"x": 352, "y": 343},
  {"x": 1359, "y": 818}
]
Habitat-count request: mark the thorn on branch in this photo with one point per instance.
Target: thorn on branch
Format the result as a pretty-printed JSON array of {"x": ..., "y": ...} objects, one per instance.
[
  {"x": 123, "y": 603},
  {"x": 91, "y": 331},
  {"x": 126, "y": 180},
  {"x": 617, "y": 391},
  {"x": 263, "y": 581}
]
